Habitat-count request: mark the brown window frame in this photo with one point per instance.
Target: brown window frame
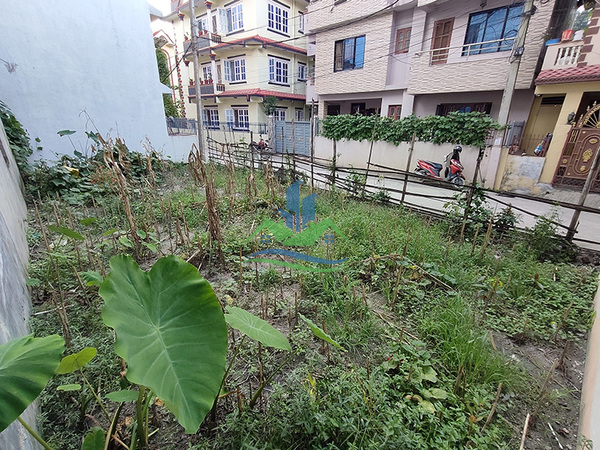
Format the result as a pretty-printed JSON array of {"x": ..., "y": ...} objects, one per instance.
[
  {"x": 404, "y": 40},
  {"x": 394, "y": 111}
]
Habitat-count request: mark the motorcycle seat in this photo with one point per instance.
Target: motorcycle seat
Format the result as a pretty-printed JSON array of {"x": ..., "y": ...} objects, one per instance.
[{"x": 435, "y": 165}]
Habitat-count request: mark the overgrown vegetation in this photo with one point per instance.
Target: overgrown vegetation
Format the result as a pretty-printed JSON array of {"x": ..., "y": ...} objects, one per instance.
[
  {"x": 17, "y": 139},
  {"x": 413, "y": 311},
  {"x": 461, "y": 128},
  {"x": 164, "y": 74}
]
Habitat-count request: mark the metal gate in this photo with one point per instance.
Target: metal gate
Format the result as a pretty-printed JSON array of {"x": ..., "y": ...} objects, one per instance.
[
  {"x": 578, "y": 153},
  {"x": 296, "y": 140}
]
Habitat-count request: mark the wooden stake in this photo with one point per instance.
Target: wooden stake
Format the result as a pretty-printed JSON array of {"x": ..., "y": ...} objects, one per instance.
[
  {"x": 522, "y": 447},
  {"x": 494, "y": 405}
]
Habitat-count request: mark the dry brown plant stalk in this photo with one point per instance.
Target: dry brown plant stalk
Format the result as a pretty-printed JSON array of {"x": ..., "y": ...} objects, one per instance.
[
  {"x": 120, "y": 185},
  {"x": 202, "y": 175}
]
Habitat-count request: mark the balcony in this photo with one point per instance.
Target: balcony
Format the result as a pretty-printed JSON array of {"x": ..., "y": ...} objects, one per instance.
[
  {"x": 562, "y": 55},
  {"x": 465, "y": 68},
  {"x": 179, "y": 126},
  {"x": 207, "y": 87},
  {"x": 204, "y": 40}
]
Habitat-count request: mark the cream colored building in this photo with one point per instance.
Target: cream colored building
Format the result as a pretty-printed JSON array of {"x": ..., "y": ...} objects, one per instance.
[
  {"x": 566, "y": 112},
  {"x": 248, "y": 50}
]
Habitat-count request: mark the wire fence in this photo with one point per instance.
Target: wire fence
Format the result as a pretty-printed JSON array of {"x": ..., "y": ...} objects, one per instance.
[{"x": 385, "y": 184}]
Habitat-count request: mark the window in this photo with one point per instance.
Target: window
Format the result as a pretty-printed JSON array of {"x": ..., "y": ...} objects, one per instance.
[
  {"x": 202, "y": 24},
  {"x": 206, "y": 72},
  {"x": 349, "y": 54},
  {"x": 235, "y": 69},
  {"x": 237, "y": 117},
  {"x": 357, "y": 108},
  {"x": 493, "y": 25},
  {"x": 333, "y": 110},
  {"x": 277, "y": 18},
  {"x": 278, "y": 70},
  {"x": 301, "y": 22},
  {"x": 394, "y": 111},
  {"x": 235, "y": 18},
  {"x": 302, "y": 71},
  {"x": 210, "y": 117},
  {"x": 402, "y": 40},
  {"x": 444, "y": 108},
  {"x": 299, "y": 115},
  {"x": 279, "y": 113}
]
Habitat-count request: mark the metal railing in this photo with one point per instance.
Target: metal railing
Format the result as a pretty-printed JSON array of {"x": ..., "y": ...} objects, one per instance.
[
  {"x": 181, "y": 126},
  {"x": 441, "y": 55},
  {"x": 206, "y": 87}
]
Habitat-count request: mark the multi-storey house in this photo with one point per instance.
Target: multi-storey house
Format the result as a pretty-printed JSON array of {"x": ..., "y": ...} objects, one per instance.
[
  {"x": 401, "y": 57},
  {"x": 564, "y": 122},
  {"x": 248, "y": 51}
]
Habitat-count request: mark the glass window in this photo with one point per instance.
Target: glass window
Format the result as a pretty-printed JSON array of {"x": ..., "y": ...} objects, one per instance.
[
  {"x": 279, "y": 113},
  {"x": 235, "y": 18},
  {"x": 235, "y": 70},
  {"x": 278, "y": 70},
  {"x": 210, "y": 117},
  {"x": 349, "y": 54},
  {"x": 402, "y": 40},
  {"x": 500, "y": 25},
  {"x": 301, "y": 22},
  {"x": 277, "y": 18},
  {"x": 299, "y": 115},
  {"x": 202, "y": 24},
  {"x": 301, "y": 71},
  {"x": 241, "y": 118},
  {"x": 206, "y": 72}
]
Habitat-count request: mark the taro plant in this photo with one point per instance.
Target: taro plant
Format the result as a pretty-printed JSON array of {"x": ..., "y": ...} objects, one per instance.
[
  {"x": 26, "y": 365},
  {"x": 171, "y": 332}
]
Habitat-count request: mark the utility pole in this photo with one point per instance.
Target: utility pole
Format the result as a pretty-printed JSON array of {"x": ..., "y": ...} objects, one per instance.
[
  {"x": 518, "y": 49},
  {"x": 194, "y": 27},
  {"x": 586, "y": 189}
]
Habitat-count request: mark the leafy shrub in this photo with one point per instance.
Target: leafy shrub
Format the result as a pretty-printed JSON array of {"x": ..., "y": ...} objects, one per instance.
[
  {"x": 17, "y": 139},
  {"x": 545, "y": 243},
  {"x": 462, "y": 128}
]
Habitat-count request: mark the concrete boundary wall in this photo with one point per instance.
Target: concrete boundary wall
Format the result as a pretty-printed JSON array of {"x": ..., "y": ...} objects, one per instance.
[
  {"x": 356, "y": 154},
  {"x": 14, "y": 296}
]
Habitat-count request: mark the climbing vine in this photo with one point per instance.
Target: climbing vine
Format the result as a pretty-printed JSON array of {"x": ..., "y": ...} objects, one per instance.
[
  {"x": 17, "y": 138},
  {"x": 460, "y": 128}
]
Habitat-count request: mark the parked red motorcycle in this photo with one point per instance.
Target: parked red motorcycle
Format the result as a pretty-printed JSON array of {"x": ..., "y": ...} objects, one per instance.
[{"x": 453, "y": 172}]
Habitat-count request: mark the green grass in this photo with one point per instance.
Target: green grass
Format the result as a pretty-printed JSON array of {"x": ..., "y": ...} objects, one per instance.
[{"x": 410, "y": 311}]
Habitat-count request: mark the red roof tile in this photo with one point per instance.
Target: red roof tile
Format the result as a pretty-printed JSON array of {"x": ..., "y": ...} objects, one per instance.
[
  {"x": 569, "y": 75},
  {"x": 260, "y": 93},
  {"x": 266, "y": 42}
]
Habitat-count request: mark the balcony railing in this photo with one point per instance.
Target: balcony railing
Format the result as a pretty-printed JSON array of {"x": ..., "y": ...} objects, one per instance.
[
  {"x": 461, "y": 53},
  {"x": 206, "y": 88},
  {"x": 205, "y": 38},
  {"x": 562, "y": 55},
  {"x": 181, "y": 126}
]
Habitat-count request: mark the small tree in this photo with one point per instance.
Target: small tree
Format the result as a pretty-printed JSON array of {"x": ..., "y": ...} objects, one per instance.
[
  {"x": 163, "y": 75},
  {"x": 269, "y": 104}
]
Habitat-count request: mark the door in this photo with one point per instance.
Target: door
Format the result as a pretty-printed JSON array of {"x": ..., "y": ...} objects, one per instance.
[
  {"x": 578, "y": 153},
  {"x": 442, "y": 32}
]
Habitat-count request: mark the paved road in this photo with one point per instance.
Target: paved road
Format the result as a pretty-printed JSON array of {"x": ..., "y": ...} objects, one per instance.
[{"x": 429, "y": 195}]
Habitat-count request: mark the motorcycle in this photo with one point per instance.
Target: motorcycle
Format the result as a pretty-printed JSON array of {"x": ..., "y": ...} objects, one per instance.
[{"x": 433, "y": 170}]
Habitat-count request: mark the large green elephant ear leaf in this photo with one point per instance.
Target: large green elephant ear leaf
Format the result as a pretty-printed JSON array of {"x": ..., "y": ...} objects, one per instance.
[
  {"x": 26, "y": 365},
  {"x": 171, "y": 331}
]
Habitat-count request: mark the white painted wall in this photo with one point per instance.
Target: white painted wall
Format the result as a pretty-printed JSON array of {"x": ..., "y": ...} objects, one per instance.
[
  {"x": 356, "y": 154},
  {"x": 71, "y": 58}
]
